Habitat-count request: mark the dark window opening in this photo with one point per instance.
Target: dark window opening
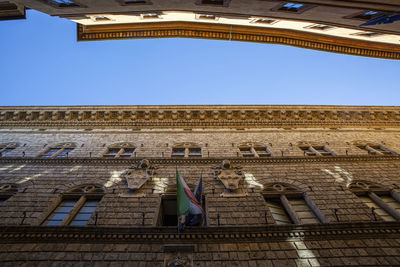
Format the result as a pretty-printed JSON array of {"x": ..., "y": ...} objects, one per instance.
[
  {"x": 135, "y": 2},
  {"x": 195, "y": 152},
  {"x": 366, "y": 15},
  {"x": 112, "y": 152},
  {"x": 128, "y": 152},
  {"x": 168, "y": 212},
  {"x": 291, "y": 7},
  {"x": 178, "y": 152},
  {"x": 63, "y": 3},
  {"x": 213, "y": 2}
]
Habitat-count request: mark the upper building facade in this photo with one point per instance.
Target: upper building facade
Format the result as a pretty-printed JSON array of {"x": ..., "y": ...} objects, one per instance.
[
  {"x": 332, "y": 26},
  {"x": 282, "y": 185}
]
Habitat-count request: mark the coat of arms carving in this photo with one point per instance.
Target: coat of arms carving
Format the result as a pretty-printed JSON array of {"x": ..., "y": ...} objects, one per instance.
[
  {"x": 229, "y": 176},
  {"x": 137, "y": 176}
]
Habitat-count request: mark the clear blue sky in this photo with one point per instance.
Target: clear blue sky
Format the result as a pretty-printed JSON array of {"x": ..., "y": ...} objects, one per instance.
[{"x": 43, "y": 64}]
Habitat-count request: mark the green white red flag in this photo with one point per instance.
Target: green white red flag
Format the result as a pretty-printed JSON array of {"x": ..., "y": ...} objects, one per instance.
[{"x": 186, "y": 201}]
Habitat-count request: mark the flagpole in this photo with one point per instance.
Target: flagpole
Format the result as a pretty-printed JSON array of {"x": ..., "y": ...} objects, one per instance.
[{"x": 177, "y": 215}]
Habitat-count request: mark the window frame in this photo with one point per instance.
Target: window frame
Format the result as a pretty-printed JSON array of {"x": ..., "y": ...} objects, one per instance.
[
  {"x": 7, "y": 146},
  {"x": 356, "y": 16},
  {"x": 60, "y": 149},
  {"x": 186, "y": 149},
  {"x": 317, "y": 28},
  {"x": 81, "y": 200},
  {"x": 305, "y": 7},
  {"x": 121, "y": 151},
  {"x": 370, "y": 148},
  {"x": 373, "y": 192},
  {"x": 253, "y": 152},
  {"x": 225, "y": 3},
  {"x": 78, "y": 4},
  {"x": 124, "y": 3},
  {"x": 308, "y": 150},
  {"x": 7, "y": 193},
  {"x": 284, "y": 193}
]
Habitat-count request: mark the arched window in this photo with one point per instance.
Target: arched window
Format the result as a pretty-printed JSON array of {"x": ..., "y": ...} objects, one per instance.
[
  {"x": 7, "y": 191},
  {"x": 6, "y": 148},
  {"x": 58, "y": 151},
  {"x": 289, "y": 205},
  {"x": 184, "y": 150},
  {"x": 120, "y": 150},
  {"x": 373, "y": 148},
  {"x": 77, "y": 206},
  {"x": 254, "y": 150},
  {"x": 383, "y": 201}
]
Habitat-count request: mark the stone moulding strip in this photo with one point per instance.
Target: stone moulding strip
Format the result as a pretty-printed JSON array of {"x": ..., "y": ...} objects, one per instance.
[
  {"x": 89, "y": 234},
  {"x": 239, "y": 33},
  {"x": 197, "y": 161},
  {"x": 197, "y": 124}
]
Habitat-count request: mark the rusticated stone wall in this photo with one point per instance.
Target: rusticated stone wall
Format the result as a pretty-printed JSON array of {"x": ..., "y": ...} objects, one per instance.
[
  {"x": 214, "y": 143},
  {"x": 239, "y": 230},
  {"x": 41, "y": 186}
]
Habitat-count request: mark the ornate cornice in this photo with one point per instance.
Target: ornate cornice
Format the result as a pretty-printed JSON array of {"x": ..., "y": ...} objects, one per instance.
[
  {"x": 203, "y": 30},
  {"x": 196, "y": 161},
  {"x": 45, "y": 234},
  {"x": 136, "y": 117}
]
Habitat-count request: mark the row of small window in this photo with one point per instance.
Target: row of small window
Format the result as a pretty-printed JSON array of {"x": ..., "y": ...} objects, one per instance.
[
  {"x": 76, "y": 3},
  {"x": 285, "y": 6},
  {"x": 193, "y": 150},
  {"x": 287, "y": 205}
]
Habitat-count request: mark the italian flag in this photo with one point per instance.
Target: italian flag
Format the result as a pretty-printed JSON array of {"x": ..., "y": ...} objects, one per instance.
[{"x": 186, "y": 201}]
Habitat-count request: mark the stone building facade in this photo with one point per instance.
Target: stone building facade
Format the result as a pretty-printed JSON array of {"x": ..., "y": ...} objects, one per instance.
[
  {"x": 282, "y": 185},
  {"x": 326, "y": 25}
]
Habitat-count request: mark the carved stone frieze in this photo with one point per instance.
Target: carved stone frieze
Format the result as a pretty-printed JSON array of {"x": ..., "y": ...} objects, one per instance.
[
  {"x": 197, "y": 161},
  {"x": 200, "y": 116},
  {"x": 48, "y": 234}
]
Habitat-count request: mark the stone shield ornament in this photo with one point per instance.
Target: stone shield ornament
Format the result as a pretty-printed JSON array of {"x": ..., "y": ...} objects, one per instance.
[
  {"x": 137, "y": 176},
  {"x": 229, "y": 176}
]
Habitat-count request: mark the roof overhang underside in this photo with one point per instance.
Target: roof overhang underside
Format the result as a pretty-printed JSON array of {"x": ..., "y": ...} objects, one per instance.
[{"x": 239, "y": 33}]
